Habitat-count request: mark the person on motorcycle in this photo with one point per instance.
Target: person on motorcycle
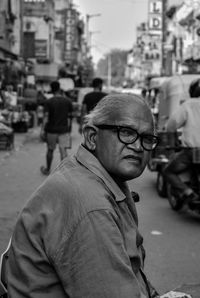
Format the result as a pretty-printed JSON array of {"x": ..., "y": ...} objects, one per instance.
[{"x": 187, "y": 117}]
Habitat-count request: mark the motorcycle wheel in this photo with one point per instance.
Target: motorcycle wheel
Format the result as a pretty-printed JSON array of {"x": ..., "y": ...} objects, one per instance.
[
  {"x": 161, "y": 185},
  {"x": 175, "y": 203}
]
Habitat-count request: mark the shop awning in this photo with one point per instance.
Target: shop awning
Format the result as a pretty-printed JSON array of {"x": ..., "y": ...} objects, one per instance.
[{"x": 5, "y": 53}]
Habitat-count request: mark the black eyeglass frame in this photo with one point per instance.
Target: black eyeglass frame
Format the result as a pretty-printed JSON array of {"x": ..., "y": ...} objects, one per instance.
[{"x": 141, "y": 136}]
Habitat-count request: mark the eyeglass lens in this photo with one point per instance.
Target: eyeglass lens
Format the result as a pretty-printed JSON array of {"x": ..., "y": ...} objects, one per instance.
[{"x": 128, "y": 136}]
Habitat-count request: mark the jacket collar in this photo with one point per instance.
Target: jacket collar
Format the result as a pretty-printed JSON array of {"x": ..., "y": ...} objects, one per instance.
[{"x": 87, "y": 159}]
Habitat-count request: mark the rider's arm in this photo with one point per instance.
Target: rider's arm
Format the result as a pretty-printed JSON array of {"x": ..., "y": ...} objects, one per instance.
[{"x": 177, "y": 120}]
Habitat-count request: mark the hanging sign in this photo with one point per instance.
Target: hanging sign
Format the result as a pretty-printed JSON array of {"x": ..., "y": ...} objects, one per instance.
[{"x": 155, "y": 17}]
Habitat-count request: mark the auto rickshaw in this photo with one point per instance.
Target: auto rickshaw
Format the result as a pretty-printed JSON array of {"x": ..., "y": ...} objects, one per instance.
[{"x": 172, "y": 93}]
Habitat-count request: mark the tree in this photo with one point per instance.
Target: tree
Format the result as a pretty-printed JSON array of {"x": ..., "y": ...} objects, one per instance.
[{"x": 118, "y": 61}]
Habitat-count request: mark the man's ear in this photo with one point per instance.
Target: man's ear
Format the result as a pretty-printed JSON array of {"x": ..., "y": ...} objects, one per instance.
[{"x": 90, "y": 134}]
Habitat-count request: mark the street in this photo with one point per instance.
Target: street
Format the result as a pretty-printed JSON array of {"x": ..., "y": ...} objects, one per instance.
[{"x": 171, "y": 239}]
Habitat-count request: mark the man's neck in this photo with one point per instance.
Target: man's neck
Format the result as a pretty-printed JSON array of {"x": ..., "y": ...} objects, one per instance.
[
  {"x": 57, "y": 93},
  {"x": 97, "y": 90}
]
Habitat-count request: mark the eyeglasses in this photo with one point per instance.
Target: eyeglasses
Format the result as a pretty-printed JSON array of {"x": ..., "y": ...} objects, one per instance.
[{"x": 128, "y": 136}]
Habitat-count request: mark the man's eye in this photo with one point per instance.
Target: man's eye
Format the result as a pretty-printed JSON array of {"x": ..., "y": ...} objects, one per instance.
[
  {"x": 126, "y": 132},
  {"x": 148, "y": 139}
]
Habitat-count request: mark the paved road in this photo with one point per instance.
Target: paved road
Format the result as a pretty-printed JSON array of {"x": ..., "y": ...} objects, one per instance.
[{"x": 171, "y": 239}]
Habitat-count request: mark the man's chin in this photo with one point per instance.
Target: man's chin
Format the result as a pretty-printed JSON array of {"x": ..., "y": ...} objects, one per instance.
[
  {"x": 132, "y": 174},
  {"x": 127, "y": 173}
]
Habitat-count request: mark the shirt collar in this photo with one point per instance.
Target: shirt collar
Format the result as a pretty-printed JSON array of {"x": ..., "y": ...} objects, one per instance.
[{"x": 87, "y": 159}]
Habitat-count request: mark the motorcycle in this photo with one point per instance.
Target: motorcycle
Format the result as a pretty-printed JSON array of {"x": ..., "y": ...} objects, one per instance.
[{"x": 190, "y": 177}]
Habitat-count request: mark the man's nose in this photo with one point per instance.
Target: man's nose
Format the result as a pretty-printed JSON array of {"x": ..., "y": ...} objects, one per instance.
[{"x": 137, "y": 145}]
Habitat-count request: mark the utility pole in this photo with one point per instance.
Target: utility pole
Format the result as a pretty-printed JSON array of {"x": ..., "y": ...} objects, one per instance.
[
  {"x": 109, "y": 73},
  {"x": 164, "y": 35},
  {"x": 21, "y": 9}
]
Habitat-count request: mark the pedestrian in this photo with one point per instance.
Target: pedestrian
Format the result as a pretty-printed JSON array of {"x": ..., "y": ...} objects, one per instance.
[
  {"x": 57, "y": 124},
  {"x": 91, "y": 99},
  {"x": 78, "y": 234}
]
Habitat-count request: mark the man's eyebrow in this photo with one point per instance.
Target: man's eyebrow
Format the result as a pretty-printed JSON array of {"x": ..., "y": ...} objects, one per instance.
[{"x": 147, "y": 132}]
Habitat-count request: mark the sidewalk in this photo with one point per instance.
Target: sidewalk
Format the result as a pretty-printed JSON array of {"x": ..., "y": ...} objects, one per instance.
[{"x": 19, "y": 140}]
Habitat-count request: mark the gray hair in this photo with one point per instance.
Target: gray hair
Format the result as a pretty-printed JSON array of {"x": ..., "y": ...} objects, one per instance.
[{"x": 103, "y": 111}]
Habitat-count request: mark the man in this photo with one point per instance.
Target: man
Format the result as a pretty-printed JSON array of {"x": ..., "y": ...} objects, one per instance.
[
  {"x": 9, "y": 76},
  {"x": 78, "y": 234},
  {"x": 187, "y": 118},
  {"x": 57, "y": 125},
  {"x": 92, "y": 98}
]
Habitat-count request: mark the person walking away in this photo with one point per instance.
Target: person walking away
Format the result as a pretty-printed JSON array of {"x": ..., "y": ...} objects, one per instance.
[
  {"x": 187, "y": 118},
  {"x": 78, "y": 235},
  {"x": 91, "y": 99},
  {"x": 57, "y": 123}
]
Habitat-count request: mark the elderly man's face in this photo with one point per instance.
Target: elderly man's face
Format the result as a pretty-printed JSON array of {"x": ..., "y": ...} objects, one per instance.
[{"x": 125, "y": 162}]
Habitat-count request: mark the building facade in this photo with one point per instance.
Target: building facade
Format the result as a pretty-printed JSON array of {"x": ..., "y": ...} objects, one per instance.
[
  {"x": 9, "y": 11},
  {"x": 37, "y": 38},
  {"x": 183, "y": 41}
]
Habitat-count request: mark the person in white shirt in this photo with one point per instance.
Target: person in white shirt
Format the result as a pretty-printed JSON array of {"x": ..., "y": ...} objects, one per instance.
[{"x": 187, "y": 117}]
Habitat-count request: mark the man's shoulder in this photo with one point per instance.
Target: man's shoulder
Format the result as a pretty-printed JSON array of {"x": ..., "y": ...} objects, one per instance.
[
  {"x": 88, "y": 95},
  {"x": 75, "y": 178},
  {"x": 94, "y": 94},
  {"x": 59, "y": 99}
]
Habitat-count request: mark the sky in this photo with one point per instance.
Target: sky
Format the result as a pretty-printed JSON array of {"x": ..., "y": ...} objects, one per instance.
[
  {"x": 116, "y": 25},
  {"x": 115, "y": 28}
]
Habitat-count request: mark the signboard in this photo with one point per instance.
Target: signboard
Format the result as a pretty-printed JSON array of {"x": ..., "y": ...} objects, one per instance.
[
  {"x": 155, "y": 17},
  {"x": 183, "y": 12},
  {"x": 35, "y": 8},
  {"x": 41, "y": 48},
  {"x": 70, "y": 31}
]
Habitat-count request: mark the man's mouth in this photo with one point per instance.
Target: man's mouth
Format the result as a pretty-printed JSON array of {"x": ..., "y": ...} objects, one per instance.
[{"x": 133, "y": 158}]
